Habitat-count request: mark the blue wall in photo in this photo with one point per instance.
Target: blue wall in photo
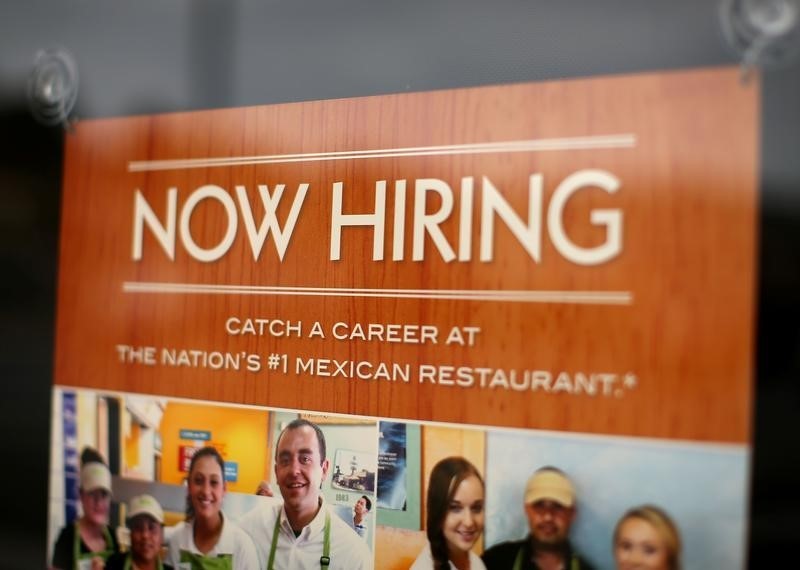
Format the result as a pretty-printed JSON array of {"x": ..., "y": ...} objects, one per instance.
[{"x": 703, "y": 487}]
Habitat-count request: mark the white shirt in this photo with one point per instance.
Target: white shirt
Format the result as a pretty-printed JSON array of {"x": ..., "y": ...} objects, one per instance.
[
  {"x": 232, "y": 540},
  {"x": 425, "y": 561},
  {"x": 348, "y": 551},
  {"x": 361, "y": 529}
]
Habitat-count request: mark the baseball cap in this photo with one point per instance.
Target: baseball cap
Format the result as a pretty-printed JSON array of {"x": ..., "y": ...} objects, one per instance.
[
  {"x": 95, "y": 475},
  {"x": 145, "y": 505},
  {"x": 551, "y": 485}
]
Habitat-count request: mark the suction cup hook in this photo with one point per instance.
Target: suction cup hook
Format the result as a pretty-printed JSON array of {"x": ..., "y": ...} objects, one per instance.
[
  {"x": 53, "y": 87},
  {"x": 763, "y": 32}
]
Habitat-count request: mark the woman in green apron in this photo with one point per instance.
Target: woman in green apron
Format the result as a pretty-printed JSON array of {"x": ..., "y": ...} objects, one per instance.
[
  {"x": 146, "y": 525},
  {"x": 208, "y": 540},
  {"x": 454, "y": 521},
  {"x": 88, "y": 542}
]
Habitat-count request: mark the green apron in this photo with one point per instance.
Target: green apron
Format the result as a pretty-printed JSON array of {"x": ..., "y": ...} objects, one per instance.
[
  {"x": 83, "y": 561},
  {"x": 129, "y": 563},
  {"x": 191, "y": 561},
  {"x": 324, "y": 560},
  {"x": 573, "y": 564}
]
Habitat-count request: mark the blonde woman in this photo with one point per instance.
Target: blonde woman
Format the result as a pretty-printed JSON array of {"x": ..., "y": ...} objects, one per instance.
[{"x": 646, "y": 538}]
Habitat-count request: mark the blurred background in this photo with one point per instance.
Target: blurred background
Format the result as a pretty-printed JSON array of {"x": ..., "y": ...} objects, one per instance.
[{"x": 153, "y": 57}]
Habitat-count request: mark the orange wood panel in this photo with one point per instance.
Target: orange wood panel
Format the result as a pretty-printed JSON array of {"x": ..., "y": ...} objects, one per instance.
[{"x": 687, "y": 195}]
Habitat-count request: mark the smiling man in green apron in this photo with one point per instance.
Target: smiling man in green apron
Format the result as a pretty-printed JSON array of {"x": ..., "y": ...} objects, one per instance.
[
  {"x": 301, "y": 532},
  {"x": 146, "y": 524}
]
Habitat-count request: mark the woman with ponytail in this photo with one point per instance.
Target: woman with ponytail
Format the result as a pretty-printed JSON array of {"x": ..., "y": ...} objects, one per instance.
[
  {"x": 454, "y": 521},
  {"x": 89, "y": 541}
]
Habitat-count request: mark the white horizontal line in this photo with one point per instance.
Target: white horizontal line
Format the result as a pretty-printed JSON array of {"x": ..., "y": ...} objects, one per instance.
[
  {"x": 565, "y": 297},
  {"x": 533, "y": 145}
]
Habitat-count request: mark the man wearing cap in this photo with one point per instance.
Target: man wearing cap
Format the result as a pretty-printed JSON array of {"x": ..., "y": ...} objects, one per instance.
[
  {"x": 146, "y": 524},
  {"x": 550, "y": 508}
]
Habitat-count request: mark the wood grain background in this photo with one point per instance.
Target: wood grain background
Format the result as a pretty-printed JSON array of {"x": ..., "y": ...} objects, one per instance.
[{"x": 688, "y": 195}]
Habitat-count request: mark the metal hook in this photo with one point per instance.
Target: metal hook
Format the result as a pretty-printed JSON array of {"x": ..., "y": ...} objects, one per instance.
[
  {"x": 763, "y": 32},
  {"x": 53, "y": 88}
]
